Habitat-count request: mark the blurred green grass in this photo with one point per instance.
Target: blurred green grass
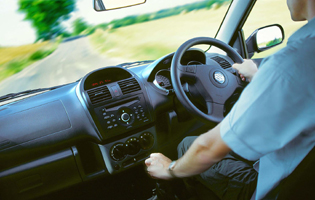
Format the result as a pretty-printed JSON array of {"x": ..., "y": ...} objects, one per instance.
[
  {"x": 152, "y": 39},
  {"x": 156, "y": 38},
  {"x": 40, "y": 54},
  {"x": 18, "y": 58}
]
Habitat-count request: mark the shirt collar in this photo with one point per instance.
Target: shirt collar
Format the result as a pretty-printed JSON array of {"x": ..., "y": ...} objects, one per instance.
[{"x": 308, "y": 30}]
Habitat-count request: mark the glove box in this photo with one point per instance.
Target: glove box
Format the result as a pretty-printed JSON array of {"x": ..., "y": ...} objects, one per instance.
[{"x": 40, "y": 176}]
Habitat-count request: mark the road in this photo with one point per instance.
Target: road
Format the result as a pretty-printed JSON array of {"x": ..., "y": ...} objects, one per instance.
[{"x": 69, "y": 62}]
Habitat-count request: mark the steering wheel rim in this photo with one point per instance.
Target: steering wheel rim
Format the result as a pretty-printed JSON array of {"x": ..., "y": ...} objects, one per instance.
[{"x": 177, "y": 68}]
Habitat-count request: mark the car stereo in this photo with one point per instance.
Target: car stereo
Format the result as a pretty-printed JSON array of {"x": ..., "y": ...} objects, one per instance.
[{"x": 118, "y": 117}]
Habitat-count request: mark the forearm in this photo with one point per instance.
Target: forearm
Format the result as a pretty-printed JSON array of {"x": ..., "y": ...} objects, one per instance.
[{"x": 205, "y": 151}]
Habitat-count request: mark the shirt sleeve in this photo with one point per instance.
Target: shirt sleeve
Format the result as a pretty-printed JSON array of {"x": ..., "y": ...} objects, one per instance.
[{"x": 264, "y": 118}]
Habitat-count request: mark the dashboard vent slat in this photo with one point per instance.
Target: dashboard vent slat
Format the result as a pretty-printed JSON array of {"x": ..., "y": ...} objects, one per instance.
[
  {"x": 222, "y": 62},
  {"x": 129, "y": 86},
  {"x": 99, "y": 95}
]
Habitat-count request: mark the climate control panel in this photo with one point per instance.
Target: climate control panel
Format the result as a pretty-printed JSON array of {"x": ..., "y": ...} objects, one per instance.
[
  {"x": 132, "y": 146},
  {"x": 129, "y": 151}
]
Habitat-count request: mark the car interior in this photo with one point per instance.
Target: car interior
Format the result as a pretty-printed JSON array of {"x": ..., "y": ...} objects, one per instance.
[{"x": 89, "y": 139}]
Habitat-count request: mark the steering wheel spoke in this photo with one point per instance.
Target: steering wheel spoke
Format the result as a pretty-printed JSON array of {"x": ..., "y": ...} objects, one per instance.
[
  {"x": 188, "y": 71},
  {"x": 215, "y": 109},
  {"x": 194, "y": 72}
]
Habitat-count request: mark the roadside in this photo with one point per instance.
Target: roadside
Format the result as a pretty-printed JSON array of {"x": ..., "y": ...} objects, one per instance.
[
  {"x": 15, "y": 59},
  {"x": 68, "y": 63},
  {"x": 152, "y": 39}
]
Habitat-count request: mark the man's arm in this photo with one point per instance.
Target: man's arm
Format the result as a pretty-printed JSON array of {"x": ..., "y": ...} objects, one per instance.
[{"x": 205, "y": 151}]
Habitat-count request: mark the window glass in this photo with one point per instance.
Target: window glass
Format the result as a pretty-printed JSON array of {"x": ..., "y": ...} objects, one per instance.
[
  {"x": 49, "y": 43},
  {"x": 267, "y": 12}
]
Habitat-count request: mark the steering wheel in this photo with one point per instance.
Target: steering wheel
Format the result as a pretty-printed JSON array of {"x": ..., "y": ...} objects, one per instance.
[{"x": 213, "y": 83}]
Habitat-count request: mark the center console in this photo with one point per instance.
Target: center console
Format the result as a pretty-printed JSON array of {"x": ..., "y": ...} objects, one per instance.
[{"x": 118, "y": 104}]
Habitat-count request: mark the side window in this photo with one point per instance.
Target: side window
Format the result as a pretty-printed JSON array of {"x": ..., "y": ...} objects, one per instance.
[{"x": 267, "y": 12}]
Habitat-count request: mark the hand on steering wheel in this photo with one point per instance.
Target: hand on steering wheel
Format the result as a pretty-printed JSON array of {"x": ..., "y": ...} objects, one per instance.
[
  {"x": 247, "y": 69},
  {"x": 215, "y": 84}
]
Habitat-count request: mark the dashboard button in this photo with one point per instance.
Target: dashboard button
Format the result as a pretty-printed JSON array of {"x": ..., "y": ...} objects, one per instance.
[
  {"x": 115, "y": 125},
  {"x": 109, "y": 127},
  {"x": 114, "y": 120},
  {"x": 115, "y": 90},
  {"x": 107, "y": 117},
  {"x": 108, "y": 122},
  {"x": 112, "y": 115}
]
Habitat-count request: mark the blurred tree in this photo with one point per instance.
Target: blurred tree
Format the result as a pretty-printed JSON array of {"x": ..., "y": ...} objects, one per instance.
[
  {"x": 79, "y": 25},
  {"x": 46, "y": 16}
]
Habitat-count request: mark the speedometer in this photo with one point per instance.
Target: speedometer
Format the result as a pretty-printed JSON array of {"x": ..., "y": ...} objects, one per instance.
[{"x": 163, "y": 79}]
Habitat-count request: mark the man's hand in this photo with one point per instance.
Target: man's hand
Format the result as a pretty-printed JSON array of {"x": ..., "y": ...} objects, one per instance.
[
  {"x": 206, "y": 150},
  {"x": 246, "y": 70},
  {"x": 157, "y": 166}
]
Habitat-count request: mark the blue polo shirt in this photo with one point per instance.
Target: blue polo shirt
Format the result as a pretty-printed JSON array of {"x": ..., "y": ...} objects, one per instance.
[{"x": 274, "y": 119}]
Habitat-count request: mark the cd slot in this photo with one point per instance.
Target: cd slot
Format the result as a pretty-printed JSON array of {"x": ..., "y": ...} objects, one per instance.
[{"x": 126, "y": 102}]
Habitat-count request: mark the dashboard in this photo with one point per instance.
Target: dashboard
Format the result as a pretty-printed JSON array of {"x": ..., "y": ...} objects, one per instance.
[{"x": 107, "y": 123}]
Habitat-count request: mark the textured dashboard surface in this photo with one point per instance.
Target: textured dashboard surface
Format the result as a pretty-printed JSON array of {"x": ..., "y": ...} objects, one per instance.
[{"x": 33, "y": 123}]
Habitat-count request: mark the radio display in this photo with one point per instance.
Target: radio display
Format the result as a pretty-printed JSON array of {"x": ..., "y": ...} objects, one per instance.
[
  {"x": 104, "y": 77},
  {"x": 101, "y": 82}
]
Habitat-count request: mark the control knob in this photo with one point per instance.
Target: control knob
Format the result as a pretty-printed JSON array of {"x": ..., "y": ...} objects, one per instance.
[
  {"x": 125, "y": 117},
  {"x": 117, "y": 152},
  {"x": 146, "y": 140},
  {"x": 132, "y": 146}
]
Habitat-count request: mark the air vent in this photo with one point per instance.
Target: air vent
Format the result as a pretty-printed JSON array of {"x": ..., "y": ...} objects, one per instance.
[
  {"x": 99, "y": 94},
  {"x": 222, "y": 62},
  {"x": 129, "y": 86}
]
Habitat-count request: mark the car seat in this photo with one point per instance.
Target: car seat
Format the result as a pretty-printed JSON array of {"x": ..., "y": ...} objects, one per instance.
[{"x": 300, "y": 184}]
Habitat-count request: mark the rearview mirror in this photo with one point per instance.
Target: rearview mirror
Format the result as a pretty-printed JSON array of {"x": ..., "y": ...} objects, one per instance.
[
  {"x": 103, "y": 5},
  {"x": 264, "y": 38}
]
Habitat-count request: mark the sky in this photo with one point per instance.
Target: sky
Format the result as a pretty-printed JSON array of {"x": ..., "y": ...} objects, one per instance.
[{"x": 15, "y": 31}]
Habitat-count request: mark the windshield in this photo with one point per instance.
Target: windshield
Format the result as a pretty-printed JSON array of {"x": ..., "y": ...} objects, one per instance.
[{"x": 49, "y": 43}]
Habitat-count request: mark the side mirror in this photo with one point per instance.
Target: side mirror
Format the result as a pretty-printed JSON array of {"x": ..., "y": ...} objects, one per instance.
[
  {"x": 103, "y": 5},
  {"x": 264, "y": 38}
]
